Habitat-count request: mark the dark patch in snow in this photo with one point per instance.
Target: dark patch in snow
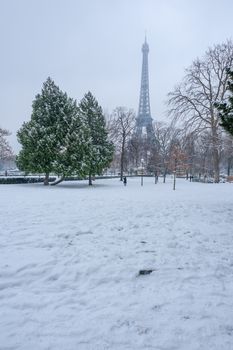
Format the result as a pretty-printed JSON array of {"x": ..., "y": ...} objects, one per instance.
[
  {"x": 84, "y": 233},
  {"x": 186, "y": 317},
  {"x": 157, "y": 307},
  {"x": 145, "y": 272}
]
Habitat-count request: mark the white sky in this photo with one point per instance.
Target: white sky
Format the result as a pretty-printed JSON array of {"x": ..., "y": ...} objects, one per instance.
[{"x": 96, "y": 45}]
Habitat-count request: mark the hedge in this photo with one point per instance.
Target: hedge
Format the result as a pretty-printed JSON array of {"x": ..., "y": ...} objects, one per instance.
[{"x": 23, "y": 180}]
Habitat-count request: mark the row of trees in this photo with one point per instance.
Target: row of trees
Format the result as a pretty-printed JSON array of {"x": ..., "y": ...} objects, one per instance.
[
  {"x": 194, "y": 142},
  {"x": 64, "y": 138},
  {"x": 172, "y": 149}
]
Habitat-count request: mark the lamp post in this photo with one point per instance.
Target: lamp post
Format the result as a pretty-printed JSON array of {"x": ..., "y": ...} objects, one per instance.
[
  {"x": 142, "y": 163},
  {"x": 175, "y": 171},
  {"x": 174, "y": 181}
]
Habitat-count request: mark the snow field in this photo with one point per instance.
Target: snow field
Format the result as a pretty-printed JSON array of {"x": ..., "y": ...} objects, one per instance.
[{"x": 70, "y": 257}]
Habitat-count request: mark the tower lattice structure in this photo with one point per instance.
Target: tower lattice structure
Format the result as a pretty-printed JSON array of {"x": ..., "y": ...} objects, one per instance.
[{"x": 144, "y": 120}]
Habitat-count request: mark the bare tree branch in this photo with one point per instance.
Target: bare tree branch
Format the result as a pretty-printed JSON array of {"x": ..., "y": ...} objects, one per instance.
[{"x": 205, "y": 83}]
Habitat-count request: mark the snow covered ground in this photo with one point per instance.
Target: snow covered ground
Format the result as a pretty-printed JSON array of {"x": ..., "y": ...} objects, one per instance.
[{"x": 70, "y": 257}]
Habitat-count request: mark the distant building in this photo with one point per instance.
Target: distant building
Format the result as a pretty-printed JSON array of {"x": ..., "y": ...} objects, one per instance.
[{"x": 144, "y": 120}]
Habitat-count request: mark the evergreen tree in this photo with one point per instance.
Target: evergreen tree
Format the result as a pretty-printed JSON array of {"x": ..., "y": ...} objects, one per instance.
[
  {"x": 226, "y": 109},
  {"x": 101, "y": 150},
  {"x": 73, "y": 155},
  {"x": 54, "y": 139}
]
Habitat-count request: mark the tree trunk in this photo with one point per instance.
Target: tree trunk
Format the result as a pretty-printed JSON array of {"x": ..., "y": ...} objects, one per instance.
[
  {"x": 89, "y": 180},
  {"x": 216, "y": 165},
  {"x": 229, "y": 160},
  {"x": 122, "y": 158},
  {"x": 46, "y": 179},
  {"x": 164, "y": 176},
  {"x": 216, "y": 157},
  {"x": 58, "y": 181}
]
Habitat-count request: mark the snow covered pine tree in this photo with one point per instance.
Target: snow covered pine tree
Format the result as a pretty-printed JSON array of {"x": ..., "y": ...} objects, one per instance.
[
  {"x": 101, "y": 150},
  {"x": 55, "y": 139},
  {"x": 226, "y": 109}
]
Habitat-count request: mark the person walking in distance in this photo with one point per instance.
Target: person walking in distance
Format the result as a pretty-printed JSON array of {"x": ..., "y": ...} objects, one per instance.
[{"x": 125, "y": 180}]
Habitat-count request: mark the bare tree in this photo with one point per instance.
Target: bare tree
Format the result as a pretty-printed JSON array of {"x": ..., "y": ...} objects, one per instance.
[
  {"x": 134, "y": 150},
  {"x": 121, "y": 128},
  {"x": 193, "y": 100},
  {"x": 166, "y": 136},
  {"x": 5, "y": 149},
  {"x": 178, "y": 159},
  {"x": 141, "y": 148}
]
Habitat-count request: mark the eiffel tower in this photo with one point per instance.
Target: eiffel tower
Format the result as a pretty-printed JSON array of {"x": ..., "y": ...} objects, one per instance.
[{"x": 144, "y": 120}]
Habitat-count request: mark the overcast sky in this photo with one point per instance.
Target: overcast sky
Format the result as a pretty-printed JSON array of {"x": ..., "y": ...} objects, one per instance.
[{"x": 96, "y": 45}]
